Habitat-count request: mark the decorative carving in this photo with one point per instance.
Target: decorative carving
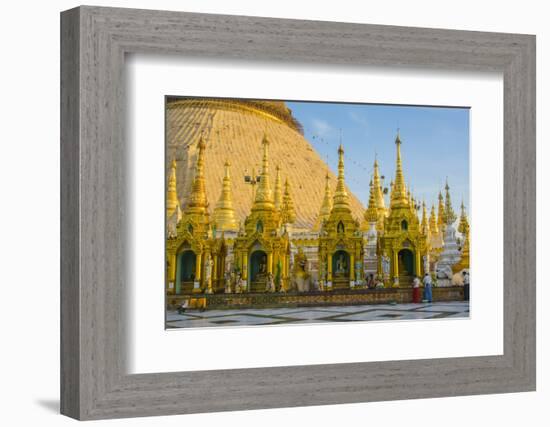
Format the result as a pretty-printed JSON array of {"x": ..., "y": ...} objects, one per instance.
[{"x": 300, "y": 275}]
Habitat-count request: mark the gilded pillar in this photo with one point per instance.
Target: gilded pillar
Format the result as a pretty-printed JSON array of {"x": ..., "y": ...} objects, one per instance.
[
  {"x": 395, "y": 269},
  {"x": 283, "y": 273},
  {"x": 361, "y": 258},
  {"x": 215, "y": 273},
  {"x": 352, "y": 267},
  {"x": 329, "y": 272},
  {"x": 245, "y": 266},
  {"x": 171, "y": 276},
  {"x": 276, "y": 260},
  {"x": 198, "y": 270},
  {"x": 270, "y": 262},
  {"x": 417, "y": 263},
  {"x": 221, "y": 269},
  {"x": 288, "y": 265},
  {"x": 208, "y": 273}
]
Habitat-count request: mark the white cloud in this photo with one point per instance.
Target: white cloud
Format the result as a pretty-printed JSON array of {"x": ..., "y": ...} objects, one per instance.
[
  {"x": 359, "y": 119},
  {"x": 321, "y": 127}
]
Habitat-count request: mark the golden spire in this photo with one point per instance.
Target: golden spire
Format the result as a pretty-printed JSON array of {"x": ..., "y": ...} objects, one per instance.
[
  {"x": 326, "y": 206},
  {"x": 450, "y": 216},
  {"x": 264, "y": 196},
  {"x": 463, "y": 225},
  {"x": 172, "y": 202},
  {"x": 433, "y": 222},
  {"x": 288, "y": 214},
  {"x": 278, "y": 195},
  {"x": 399, "y": 194},
  {"x": 371, "y": 214},
  {"x": 441, "y": 217},
  {"x": 465, "y": 259},
  {"x": 197, "y": 199},
  {"x": 379, "y": 196},
  {"x": 341, "y": 198},
  {"x": 424, "y": 225},
  {"x": 224, "y": 214}
]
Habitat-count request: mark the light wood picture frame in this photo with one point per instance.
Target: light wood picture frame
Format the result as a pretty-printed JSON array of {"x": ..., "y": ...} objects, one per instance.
[{"x": 94, "y": 42}]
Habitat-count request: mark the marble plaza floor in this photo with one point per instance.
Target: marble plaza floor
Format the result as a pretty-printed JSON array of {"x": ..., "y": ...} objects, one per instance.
[{"x": 302, "y": 315}]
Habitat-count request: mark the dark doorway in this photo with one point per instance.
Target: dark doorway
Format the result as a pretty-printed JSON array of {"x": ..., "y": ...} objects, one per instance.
[
  {"x": 258, "y": 271},
  {"x": 405, "y": 259},
  {"x": 340, "y": 264},
  {"x": 186, "y": 267}
]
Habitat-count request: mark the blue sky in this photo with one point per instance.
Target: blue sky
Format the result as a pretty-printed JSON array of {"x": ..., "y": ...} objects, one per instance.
[{"x": 435, "y": 145}]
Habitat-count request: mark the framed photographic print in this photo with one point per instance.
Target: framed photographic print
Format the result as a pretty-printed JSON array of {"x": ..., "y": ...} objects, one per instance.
[{"x": 285, "y": 213}]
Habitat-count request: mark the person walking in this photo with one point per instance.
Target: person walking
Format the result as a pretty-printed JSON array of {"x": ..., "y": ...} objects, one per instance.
[
  {"x": 427, "y": 287},
  {"x": 466, "y": 281}
]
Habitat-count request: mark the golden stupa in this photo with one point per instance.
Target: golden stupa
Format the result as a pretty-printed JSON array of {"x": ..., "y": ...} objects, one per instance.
[{"x": 232, "y": 130}]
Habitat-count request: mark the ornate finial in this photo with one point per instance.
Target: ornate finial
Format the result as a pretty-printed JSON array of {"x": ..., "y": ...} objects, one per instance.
[
  {"x": 397, "y": 138},
  {"x": 399, "y": 195},
  {"x": 172, "y": 202},
  {"x": 278, "y": 195},
  {"x": 264, "y": 196},
  {"x": 464, "y": 262},
  {"x": 434, "y": 229},
  {"x": 224, "y": 214},
  {"x": 441, "y": 214},
  {"x": 202, "y": 144},
  {"x": 379, "y": 195},
  {"x": 424, "y": 225},
  {"x": 341, "y": 199},
  {"x": 288, "y": 215},
  {"x": 326, "y": 205},
  {"x": 463, "y": 225},
  {"x": 371, "y": 214},
  {"x": 450, "y": 216},
  {"x": 197, "y": 198}
]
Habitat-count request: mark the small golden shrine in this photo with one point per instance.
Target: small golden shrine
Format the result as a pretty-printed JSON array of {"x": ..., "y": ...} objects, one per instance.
[
  {"x": 403, "y": 241},
  {"x": 340, "y": 240},
  {"x": 195, "y": 259},
  {"x": 262, "y": 249}
]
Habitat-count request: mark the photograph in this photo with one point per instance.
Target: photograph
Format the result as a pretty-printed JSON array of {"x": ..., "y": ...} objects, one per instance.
[{"x": 283, "y": 212}]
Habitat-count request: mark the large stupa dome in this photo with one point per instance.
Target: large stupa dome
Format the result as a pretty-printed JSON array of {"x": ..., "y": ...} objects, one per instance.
[{"x": 233, "y": 130}]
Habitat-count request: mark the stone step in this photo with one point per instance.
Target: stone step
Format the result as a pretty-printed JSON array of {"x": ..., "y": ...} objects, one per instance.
[
  {"x": 405, "y": 280},
  {"x": 257, "y": 286},
  {"x": 186, "y": 287},
  {"x": 340, "y": 284}
]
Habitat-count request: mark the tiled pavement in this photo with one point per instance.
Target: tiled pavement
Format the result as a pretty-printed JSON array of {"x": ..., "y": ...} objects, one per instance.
[{"x": 301, "y": 315}]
